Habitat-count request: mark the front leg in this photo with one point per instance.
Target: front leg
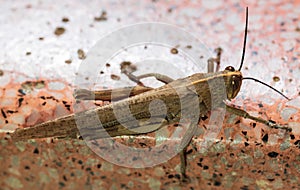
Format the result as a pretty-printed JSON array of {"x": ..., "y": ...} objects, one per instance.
[
  {"x": 242, "y": 113},
  {"x": 211, "y": 62}
]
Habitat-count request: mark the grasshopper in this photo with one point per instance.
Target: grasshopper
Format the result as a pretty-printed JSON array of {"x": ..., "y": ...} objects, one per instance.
[{"x": 178, "y": 95}]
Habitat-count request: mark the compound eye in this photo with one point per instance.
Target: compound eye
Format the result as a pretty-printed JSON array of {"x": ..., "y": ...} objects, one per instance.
[{"x": 229, "y": 68}]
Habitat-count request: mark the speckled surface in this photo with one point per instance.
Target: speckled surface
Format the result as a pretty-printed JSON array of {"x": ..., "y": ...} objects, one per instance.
[{"x": 43, "y": 44}]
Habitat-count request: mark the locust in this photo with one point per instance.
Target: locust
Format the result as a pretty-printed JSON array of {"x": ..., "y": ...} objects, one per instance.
[{"x": 179, "y": 97}]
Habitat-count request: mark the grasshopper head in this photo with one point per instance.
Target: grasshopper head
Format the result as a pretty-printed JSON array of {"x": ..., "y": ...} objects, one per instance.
[{"x": 233, "y": 81}]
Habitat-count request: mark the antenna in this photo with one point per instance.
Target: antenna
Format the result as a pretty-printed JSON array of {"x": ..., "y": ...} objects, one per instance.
[
  {"x": 256, "y": 80},
  {"x": 245, "y": 40}
]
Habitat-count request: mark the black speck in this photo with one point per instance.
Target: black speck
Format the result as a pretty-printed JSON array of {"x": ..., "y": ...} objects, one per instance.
[
  {"x": 297, "y": 143},
  {"x": 217, "y": 183},
  {"x": 260, "y": 105},
  {"x": 21, "y": 91},
  {"x": 237, "y": 122},
  {"x": 3, "y": 113},
  {"x": 61, "y": 184},
  {"x": 65, "y": 178},
  {"x": 244, "y": 133},
  {"x": 80, "y": 162},
  {"x": 174, "y": 51},
  {"x": 273, "y": 154},
  {"x": 265, "y": 138},
  {"x": 177, "y": 176},
  {"x": 36, "y": 151},
  {"x": 246, "y": 144},
  {"x": 292, "y": 137},
  {"x": 20, "y": 100},
  {"x": 205, "y": 167},
  {"x": 98, "y": 166},
  {"x": 44, "y": 103},
  {"x": 170, "y": 176},
  {"x": 189, "y": 151},
  {"x": 27, "y": 168}
]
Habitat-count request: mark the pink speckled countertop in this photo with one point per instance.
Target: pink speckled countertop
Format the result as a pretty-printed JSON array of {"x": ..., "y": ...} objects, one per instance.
[{"x": 43, "y": 44}]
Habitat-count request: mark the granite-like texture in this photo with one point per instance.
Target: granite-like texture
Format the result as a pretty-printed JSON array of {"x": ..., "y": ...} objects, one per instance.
[{"x": 43, "y": 43}]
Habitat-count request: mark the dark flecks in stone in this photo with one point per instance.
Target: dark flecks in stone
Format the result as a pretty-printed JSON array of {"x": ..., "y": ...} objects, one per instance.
[
  {"x": 80, "y": 162},
  {"x": 21, "y": 91},
  {"x": 237, "y": 122},
  {"x": 44, "y": 103},
  {"x": 292, "y": 137},
  {"x": 277, "y": 174},
  {"x": 214, "y": 175},
  {"x": 244, "y": 133},
  {"x": 65, "y": 178},
  {"x": 287, "y": 165},
  {"x": 73, "y": 159},
  {"x": 243, "y": 150},
  {"x": 265, "y": 138},
  {"x": 231, "y": 154},
  {"x": 246, "y": 144},
  {"x": 103, "y": 177},
  {"x": 200, "y": 159},
  {"x": 297, "y": 143},
  {"x": 189, "y": 151},
  {"x": 174, "y": 51},
  {"x": 170, "y": 176},
  {"x": 273, "y": 154},
  {"x": 271, "y": 179},
  {"x": 260, "y": 105},
  {"x": 253, "y": 125},
  {"x": 65, "y": 19},
  {"x": 88, "y": 169},
  {"x": 36, "y": 151},
  {"x": 102, "y": 17},
  {"x": 205, "y": 167},
  {"x": 3, "y": 113},
  {"x": 59, "y": 31},
  {"x": 98, "y": 166},
  {"x": 217, "y": 183},
  {"x": 61, "y": 184},
  {"x": 199, "y": 164},
  {"x": 177, "y": 176},
  {"x": 20, "y": 100},
  {"x": 27, "y": 168}
]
